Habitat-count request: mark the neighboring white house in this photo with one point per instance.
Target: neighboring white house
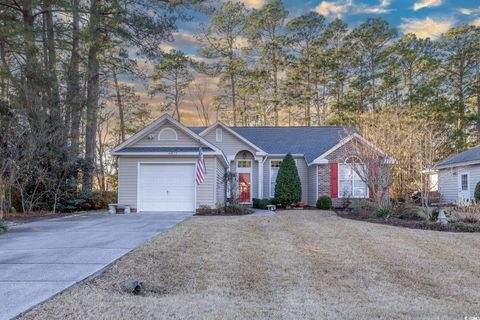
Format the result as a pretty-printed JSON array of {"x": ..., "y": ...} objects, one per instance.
[{"x": 458, "y": 175}]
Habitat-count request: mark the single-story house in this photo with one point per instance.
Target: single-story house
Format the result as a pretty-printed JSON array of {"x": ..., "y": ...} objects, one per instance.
[
  {"x": 458, "y": 175},
  {"x": 156, "y": 166}
]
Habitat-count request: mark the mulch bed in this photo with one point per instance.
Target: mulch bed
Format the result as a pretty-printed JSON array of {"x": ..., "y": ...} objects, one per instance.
[{"x": 414, "y": 224}]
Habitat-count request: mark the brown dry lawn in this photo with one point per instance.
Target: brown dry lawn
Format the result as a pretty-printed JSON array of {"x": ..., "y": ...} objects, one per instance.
[{"x": 308, "y": 265}]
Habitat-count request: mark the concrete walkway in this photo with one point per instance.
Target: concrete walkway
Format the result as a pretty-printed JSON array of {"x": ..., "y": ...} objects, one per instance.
[{"x": 42, "y": 258}]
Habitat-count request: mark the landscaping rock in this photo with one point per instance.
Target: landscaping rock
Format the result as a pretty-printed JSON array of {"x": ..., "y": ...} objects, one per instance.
[{"x": 134, "y": 286}]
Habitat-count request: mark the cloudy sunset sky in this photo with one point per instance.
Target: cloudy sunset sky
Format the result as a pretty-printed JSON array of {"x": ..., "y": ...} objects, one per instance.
[{"x": 425, "y": 18}]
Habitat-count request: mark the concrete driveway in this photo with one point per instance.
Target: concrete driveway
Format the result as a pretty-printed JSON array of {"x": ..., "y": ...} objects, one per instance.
[{"x": 42, "y": 258}]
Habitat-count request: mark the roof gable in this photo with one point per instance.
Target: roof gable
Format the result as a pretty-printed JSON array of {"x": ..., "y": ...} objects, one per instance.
[
  {"x": 309, "y": 141},
  {"x": 235, "y": 138},
  {"x": 470, "y": 156},
  {"x": 179, "y": 136}
]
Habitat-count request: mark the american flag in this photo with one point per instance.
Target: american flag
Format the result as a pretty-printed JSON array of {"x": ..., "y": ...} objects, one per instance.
[{"x": 200, "y": 172}]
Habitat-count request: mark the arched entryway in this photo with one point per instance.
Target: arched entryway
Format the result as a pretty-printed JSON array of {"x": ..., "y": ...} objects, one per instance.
[{"x": 244, "y": 163}]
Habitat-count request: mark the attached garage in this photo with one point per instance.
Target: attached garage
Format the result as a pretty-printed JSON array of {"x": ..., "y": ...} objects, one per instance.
[
  {"x": 156, "y": 169},
  {"x": 166, "y": 187}
]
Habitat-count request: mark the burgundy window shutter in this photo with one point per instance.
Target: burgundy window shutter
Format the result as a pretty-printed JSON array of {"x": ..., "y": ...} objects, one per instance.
[{"x": 334, "y": 179}]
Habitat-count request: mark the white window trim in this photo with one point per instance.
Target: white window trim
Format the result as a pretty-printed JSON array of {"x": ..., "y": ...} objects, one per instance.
[
  {"x": 272, "y": 195},
  {"x": 219, "y": 134},
  {"x": 338, "y": 187},
  {"x": 459, "y": 184},
  {"x": 167, "y": 129}
]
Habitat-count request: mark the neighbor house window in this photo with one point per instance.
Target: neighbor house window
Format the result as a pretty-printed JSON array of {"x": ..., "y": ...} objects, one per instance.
[
  {"x": 218, "y": 135},
  {"x": 274, "y": 167},
  {"x": 464, "y": 182},
  {"x": 350, "y": 185}
]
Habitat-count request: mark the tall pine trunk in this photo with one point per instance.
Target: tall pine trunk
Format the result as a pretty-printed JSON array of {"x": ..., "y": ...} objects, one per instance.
[
  {"x": 54, "y": 99},
  {"x": 73, "y": 95},
  {"x": 121, "y": 113},
  {"x": 93, "y": 84}
]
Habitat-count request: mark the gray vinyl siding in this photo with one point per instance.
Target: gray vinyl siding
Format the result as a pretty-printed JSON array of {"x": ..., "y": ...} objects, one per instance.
[
  {"x": 448, "y": 182},
  {"x": 312, "y": 185},
  {"x": 128, "y": 173},
  {"x": 302, "y": 172},
  {"x": 184, "y": 140},
  {"x": 220, "y": 182},
  {"x": 206, "y": 190},
  {"x": 230, "y": 145}
]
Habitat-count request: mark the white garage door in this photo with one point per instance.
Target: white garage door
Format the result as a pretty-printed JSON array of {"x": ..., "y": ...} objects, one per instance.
[{"x": 167, "y": 187}]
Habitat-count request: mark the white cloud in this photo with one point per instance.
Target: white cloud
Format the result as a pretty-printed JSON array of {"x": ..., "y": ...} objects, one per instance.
[
  {"x": 336, "y": 9},
  {"x": 340, "y": 8},
  {"x": 426, "y": 4},
  {"x": 426, "y": 28},
  {"x": 381, "y": 8},
  {"x": 465, "y": 11},
  {"x": 167, "y": 46},
  {"x": 256, "y": 4}
]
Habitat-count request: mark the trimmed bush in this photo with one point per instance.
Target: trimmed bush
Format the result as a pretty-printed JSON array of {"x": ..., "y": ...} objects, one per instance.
[
  {"x": 324, "y": 203},
  {"x": 261, "y": 203},
  {"x": 384, "y": 212},
  {"x": 3, "y": 226},
  {"x": 83, "y": 201},
  {"x": 477, "y": 192},
  {"x": 288, "y": 188},
  {"x": 434, "y": 213}
]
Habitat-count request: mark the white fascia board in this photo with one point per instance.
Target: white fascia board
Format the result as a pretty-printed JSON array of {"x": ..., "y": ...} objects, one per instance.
[
  {"x": 242, "y": 138},
  {"x": 458, "y": 164},
  {"x": 319, "y": 161},
  {"x": 164, "y": 154}
]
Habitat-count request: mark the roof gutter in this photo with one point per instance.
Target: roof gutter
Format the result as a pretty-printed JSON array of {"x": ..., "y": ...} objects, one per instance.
[{"x": 457, "y": 164}]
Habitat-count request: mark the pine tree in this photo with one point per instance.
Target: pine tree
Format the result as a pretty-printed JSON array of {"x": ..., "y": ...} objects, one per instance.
[{"x": 288, "y": 188}]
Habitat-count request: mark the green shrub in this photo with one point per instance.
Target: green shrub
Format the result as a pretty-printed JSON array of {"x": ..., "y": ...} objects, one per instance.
[
  {"x": 384, "y": 212},
  {"x": 83, "y": 201},
  {"x": 324, "y": 203},
  {"x": 407, "y": 211},
  {"x": 3, "y": 226},
  {"x": 203, "y": 209},
  {"x": 261, "y": 203},
  {"x": 477, "y": 192},
  {"x": 288, "y": 188},
  {"x": 465, "y": 227},
  {"x": 434, "y": 214}
]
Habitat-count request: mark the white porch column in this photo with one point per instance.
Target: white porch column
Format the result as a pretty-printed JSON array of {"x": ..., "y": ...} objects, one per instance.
[{"x": 260, "y": 176}]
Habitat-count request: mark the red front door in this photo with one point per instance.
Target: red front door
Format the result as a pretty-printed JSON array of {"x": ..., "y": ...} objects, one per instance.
[{"x": 244, "y": 187}]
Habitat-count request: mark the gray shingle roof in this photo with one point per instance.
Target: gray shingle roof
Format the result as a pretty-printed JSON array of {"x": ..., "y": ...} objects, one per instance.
[
  {"x": 162, "y": 149},
  {"x": 310, "y": 141},
  {"x": 465, "y": 156}
]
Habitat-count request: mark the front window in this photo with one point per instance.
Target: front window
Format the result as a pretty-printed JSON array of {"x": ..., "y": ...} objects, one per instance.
[
  {"x": 274, "y": 167},
  {"x": 350, "y": 185}
]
